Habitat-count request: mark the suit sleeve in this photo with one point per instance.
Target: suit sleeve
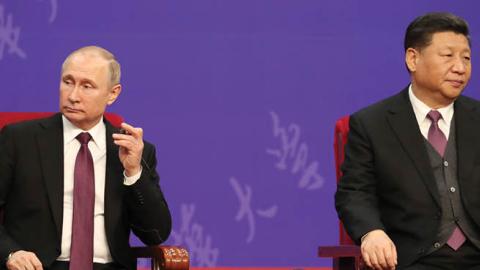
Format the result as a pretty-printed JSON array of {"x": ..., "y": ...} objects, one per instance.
[
  {"x": 149, "y": 215},
  {"x": 356, "y": 200},
  {"x": 7, "y": 244}
]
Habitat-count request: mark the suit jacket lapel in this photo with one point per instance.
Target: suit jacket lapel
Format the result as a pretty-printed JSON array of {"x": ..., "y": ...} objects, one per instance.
[
  {"x": 404, "y": 124},
  {"x": 467, "y": 132},
  {"x": 113, "y": 184},
  {"x": 50, "y": 145}
]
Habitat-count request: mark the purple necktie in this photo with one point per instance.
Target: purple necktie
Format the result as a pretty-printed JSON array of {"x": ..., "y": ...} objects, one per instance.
[
  {"x": 81, "y": 250},
  {"x": 435, "y": 135},
  {"x": 439, "y": 142},
  {"x": 457, "y": 238}
]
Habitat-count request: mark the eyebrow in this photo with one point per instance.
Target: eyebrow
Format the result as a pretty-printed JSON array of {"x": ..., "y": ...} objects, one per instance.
[
  {"x": 452, "y": 47},
  {"x": 82, "y": 81},
  {"x": 68, "y": 76},
  {"x": 85, "y": 81}
]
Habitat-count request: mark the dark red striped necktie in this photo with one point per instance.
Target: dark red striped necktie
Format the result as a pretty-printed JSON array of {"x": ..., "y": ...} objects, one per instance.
[{"x": 81, "y": 249}]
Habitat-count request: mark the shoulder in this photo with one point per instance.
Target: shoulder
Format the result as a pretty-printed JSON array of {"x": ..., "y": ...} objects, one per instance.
[
  {"x": 148, "y": 148},
  {"x": 380, "y": 109},
  {"x": 468, "y": 102},
  {"x": 28, "y": 127}
]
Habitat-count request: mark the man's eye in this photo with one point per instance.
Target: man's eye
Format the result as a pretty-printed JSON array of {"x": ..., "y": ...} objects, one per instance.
[
  {"x": 87, "y": 86},
  {"x": 68, "y": 82},
  {"x": 467, "y": 58}
]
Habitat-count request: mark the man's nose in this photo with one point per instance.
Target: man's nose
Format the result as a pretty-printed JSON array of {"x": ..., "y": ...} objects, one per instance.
[
  {"x": 460, "y": 65},
  {"x": 74, "y": 95}
]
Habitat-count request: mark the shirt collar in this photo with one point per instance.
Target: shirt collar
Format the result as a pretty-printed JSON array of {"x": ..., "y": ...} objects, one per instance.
[
  {"x": 421, "y": 109},
  {"x": 70, "y": 131}
]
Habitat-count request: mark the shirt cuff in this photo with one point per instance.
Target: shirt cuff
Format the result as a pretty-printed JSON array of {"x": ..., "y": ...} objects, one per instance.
[{"x": 130, "y": 180}]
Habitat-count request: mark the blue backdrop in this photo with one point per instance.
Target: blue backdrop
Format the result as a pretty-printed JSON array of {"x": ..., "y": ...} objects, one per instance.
[{"x": 240, "y": 98}]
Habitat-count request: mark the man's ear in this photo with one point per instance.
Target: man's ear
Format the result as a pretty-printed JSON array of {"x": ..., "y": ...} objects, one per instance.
[
  {"x": 411, "y": 59},
  {"x": 114, "y": 93}
]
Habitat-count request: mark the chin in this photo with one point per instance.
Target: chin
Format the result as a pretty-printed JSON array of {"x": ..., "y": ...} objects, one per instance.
[{"x": 452, "y": 94}]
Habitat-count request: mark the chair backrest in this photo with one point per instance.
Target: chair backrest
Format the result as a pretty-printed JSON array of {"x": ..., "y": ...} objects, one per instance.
[
  {"x": 340, "y": 139},
  {"x": 13, "y": 117}
]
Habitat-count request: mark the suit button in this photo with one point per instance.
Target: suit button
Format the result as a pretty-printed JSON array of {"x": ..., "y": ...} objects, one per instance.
[
  {"x": 452, "y": 189},
  {"x": 436, "y": 245},
  {"x": 445, "y": 163}
]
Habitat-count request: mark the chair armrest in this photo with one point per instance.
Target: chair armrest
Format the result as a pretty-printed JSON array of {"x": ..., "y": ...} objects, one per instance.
[
  {"x": 344, "y": 256},
  {"x": 164, "y": 257},
  {"x": 339, "y": 251}
]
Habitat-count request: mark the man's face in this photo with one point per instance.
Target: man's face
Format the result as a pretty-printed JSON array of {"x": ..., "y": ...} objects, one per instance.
[
  {"x": 85, "y": 89},
  {"x": 441, "y": 70}
]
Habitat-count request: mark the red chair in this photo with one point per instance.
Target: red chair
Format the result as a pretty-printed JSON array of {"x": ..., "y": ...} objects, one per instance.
[
  {"x": 162, "y": 257},
  {"x": 346, "y": 255}
]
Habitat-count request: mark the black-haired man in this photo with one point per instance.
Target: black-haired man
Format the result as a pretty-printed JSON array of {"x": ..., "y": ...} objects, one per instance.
[{"x": 411, "y": 180}]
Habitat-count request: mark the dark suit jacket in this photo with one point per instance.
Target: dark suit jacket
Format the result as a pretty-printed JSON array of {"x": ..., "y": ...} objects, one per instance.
[
  {"x": 388, "y": 181},
  {"x": 31, "y": 194}
]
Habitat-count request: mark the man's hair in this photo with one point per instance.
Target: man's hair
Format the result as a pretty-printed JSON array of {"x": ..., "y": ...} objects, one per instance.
[
  {"x": 419, "y": 33},
  {"x": 113, "y": 65}
]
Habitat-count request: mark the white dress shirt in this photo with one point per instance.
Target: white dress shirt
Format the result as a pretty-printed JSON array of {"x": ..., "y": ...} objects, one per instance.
[
  {"x": 421, "y": 110},
  {"x": 98, "y": 149}
]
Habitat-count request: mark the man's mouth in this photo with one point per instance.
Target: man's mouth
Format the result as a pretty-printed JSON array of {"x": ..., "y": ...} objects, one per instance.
[
  {"x": 72, "y": 110},
  {"x": 456, "y": 83}
]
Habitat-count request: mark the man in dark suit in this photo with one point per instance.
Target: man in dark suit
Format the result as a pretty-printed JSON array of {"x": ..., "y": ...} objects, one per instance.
[
  {"x": 72, "y": 187},
  {"x": 411, "y": 177}
]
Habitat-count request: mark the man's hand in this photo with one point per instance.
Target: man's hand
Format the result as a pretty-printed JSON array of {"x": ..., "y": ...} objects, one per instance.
[
  {"x": 131, "y": 148},
  {"x": 21, "y": 260},
  {"x": 378, "y": 251}
]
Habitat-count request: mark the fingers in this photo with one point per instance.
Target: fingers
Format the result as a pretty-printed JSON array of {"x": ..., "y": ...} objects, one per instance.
[
  {"x": 372, "y": 260},
  {"x": 137, "y": 133},
  {"x": 37, "y": 265},
  {"x": 378, "y": 251},
  {"x": 394, "y": 254},
  {"x": 388, "y": 261},
  {"x": 126, "y": 141},
  {"x": 21, "y": 260},
  {"x": 131, "y": 148},
  {"x": 379, "y": 259},
  {"x": 132, "y": 138}
]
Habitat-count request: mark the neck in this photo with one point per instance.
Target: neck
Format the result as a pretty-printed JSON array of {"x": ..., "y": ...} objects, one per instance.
[
  {"x": 432, "y": 99},
  {"x": 85, "y": 126}
]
